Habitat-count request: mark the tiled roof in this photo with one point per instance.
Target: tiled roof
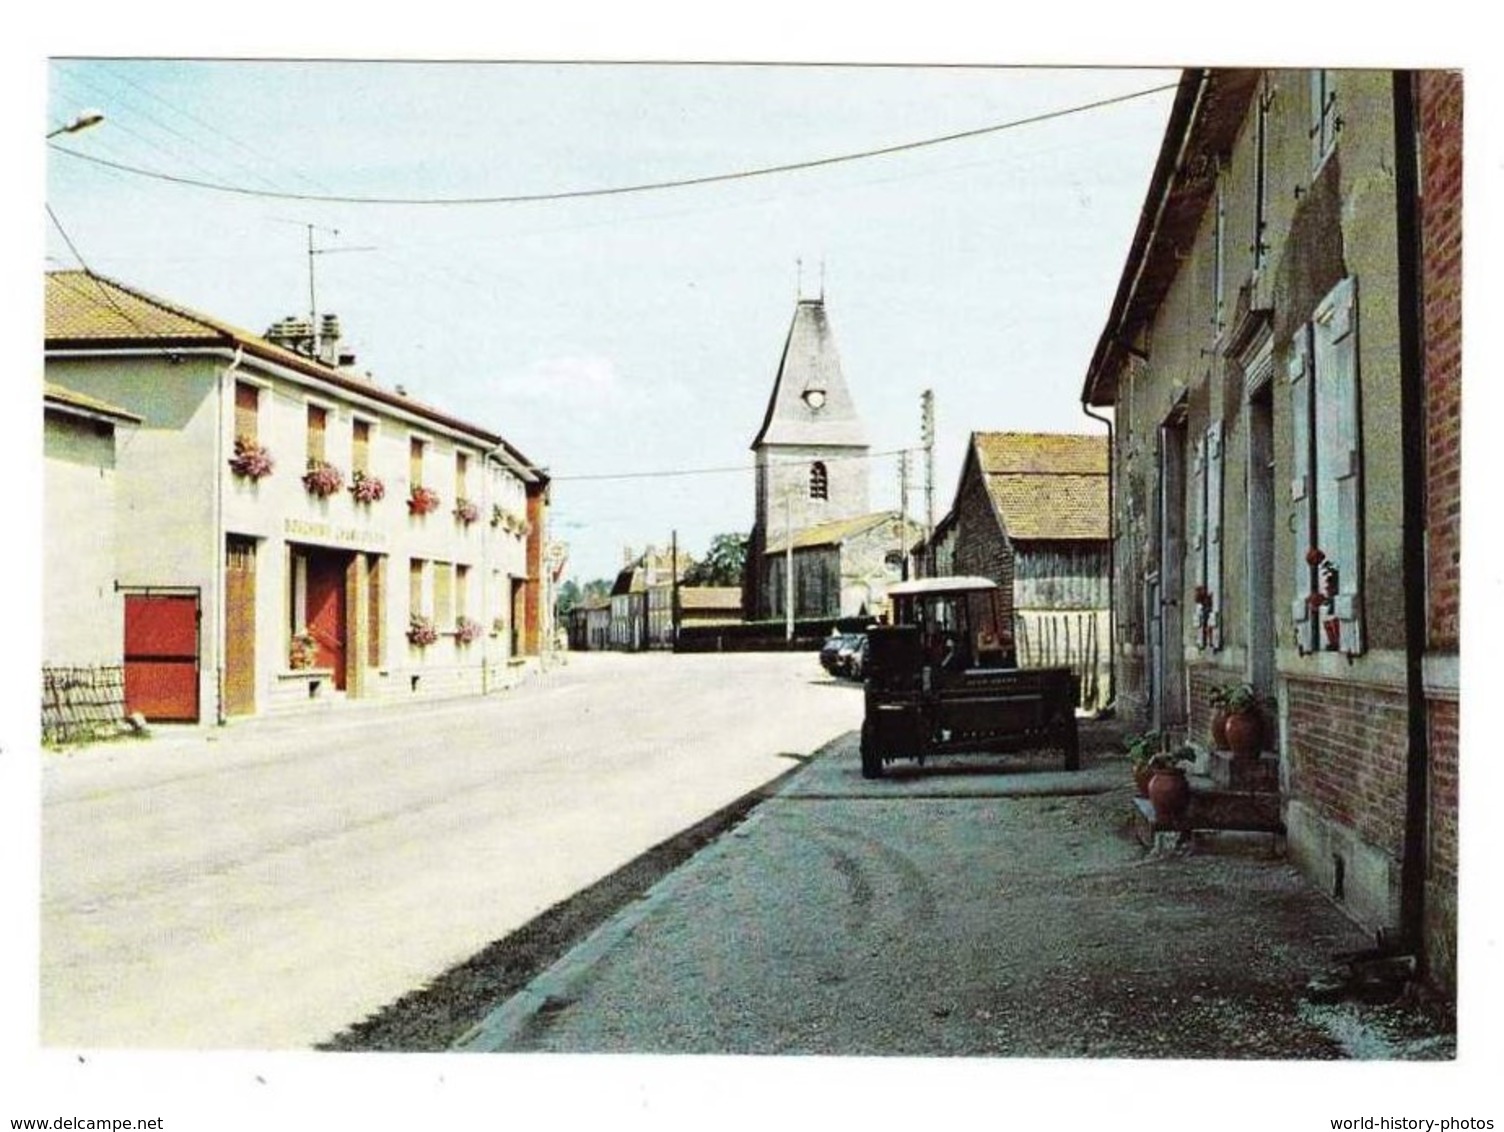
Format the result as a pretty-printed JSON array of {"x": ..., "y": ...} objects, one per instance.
[
  {"x": 84, "y": 309},
  {"x": 709, "y": 597},
  {"x": 58, "y": 395},
  {"x": 1046, "y": 485},
  {"x": 838, "y": 531},
  {"x": 810, "y": 362}
]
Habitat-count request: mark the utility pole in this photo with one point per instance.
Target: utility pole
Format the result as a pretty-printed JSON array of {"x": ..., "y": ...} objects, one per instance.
[
  {"x": 903, "y": 513},
  {"x": 927, "y": 434},
  {"x": 788, "y": 563}
]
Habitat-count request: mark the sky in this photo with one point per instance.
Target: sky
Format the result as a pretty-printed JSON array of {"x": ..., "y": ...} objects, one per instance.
[
  {"x": 633, "y": 335},
  {"x": 641, "y": 333}
]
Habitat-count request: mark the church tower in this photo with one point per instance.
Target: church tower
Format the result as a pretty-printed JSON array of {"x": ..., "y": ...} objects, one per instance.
[{"x": 810, "y": 454}]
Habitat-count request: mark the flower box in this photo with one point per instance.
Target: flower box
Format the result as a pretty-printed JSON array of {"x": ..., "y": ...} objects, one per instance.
[
  {"x": 421, "y": 631},
  {"x": 466, "y": 511},
  {"x": 251, "y": 461},
  {"x": 323, "y": 479},
  {"x": 467, "y": 630},
  {"x": 367, "y": 488},
  {"x": 422, "y": 500}
]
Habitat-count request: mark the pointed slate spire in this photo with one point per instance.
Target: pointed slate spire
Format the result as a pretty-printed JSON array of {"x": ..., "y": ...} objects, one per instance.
[{"x": 810, "y": 404}]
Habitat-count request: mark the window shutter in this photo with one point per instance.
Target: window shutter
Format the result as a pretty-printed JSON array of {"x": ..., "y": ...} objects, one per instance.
[
  {"x": 1198, "y": 536},
  {"x": 247, "y": 406},
  {"x": 1214, "y": 533},
  {"x": 1302, "y": 497},
  {"x": 1336, "y": 357}
]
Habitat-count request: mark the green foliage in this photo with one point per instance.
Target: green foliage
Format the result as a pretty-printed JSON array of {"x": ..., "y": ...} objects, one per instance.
[{"x": 722, "y": 564}]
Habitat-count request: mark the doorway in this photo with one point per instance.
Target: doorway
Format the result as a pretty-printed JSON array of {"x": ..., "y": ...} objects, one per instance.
[
  {"x": 320, "y": 604},
  {"x": 240, "y": 625},
  {"x": 1261, "y": 615},
  {"x": 1169, "y": 649}
]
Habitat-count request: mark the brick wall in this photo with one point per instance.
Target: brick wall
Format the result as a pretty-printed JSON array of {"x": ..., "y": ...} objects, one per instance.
[
  {"x": 1439, "y": 107},
  {"x": 1440, "y": 113},
  {"x": 1347, "y": 757}
]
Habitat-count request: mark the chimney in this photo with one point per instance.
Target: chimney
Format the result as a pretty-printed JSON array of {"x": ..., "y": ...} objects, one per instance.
[
  {"x": 626, "y": 556},
  {"x": 329, "y": 339}
]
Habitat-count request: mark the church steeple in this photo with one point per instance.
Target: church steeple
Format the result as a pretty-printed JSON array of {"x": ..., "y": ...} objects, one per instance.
[{"x": 810, "y": 404}]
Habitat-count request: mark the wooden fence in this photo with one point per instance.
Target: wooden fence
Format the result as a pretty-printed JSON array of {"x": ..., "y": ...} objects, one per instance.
[{"x": 1074, "y": 639}]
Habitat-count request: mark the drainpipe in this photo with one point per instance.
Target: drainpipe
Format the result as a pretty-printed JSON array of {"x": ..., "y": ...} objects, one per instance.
[
  {"x": 1112, "y": 564},
  {"x": 485, "y": 567},
  {"x": 226, "y": 383},
  {"x": 1413, "y": 470}
]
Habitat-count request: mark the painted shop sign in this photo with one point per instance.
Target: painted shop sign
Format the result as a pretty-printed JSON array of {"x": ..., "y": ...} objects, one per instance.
[{"x": 325, "y": 532}]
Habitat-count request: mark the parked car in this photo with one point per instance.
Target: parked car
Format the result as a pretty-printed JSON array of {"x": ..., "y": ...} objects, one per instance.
[{"x": 841, "y": 651}]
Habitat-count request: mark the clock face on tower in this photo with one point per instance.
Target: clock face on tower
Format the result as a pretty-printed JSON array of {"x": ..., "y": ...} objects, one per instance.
[{"x": 814, "y": 398}]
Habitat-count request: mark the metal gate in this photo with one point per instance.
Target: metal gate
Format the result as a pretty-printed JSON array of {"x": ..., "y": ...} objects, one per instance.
[{"x": 161, "y": 656}]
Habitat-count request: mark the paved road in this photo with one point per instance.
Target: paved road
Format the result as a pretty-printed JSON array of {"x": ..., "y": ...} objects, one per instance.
[{"x": 263, "y": 886}]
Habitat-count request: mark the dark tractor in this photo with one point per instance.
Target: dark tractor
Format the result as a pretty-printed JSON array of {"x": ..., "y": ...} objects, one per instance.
[{"x": 941, "y": 679}]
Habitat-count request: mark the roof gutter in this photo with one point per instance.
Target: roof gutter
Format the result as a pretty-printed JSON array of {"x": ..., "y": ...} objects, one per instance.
[{"x": 1182, "y": 118}]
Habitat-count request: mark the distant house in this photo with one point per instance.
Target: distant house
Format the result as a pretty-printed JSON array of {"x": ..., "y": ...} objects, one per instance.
[
  {"x": 1030, "y": 513},
  {"x": 642, "y": 614},
  {"x": 83, "y": 610},
  {"x": 710, "y": 605},
  {"x": 841, "y": 568}
]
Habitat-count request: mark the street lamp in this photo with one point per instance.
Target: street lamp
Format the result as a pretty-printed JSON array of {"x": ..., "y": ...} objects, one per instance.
[{"x": 82, "y": 122}]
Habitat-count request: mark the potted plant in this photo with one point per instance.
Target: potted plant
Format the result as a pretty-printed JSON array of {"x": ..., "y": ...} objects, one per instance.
[
  {"x": 1245, "y": 725},
  {"x": 466, "y": 511},
  {"x": 422, "y": 500},
  {"x": 467, "y": 629},
  {"x": 366, "y": 488},
  {"x": 1142, "y": 750},
  {"x": 322, "y": 479},
  {"x": 251, "y": 461},
  {"x": 1169, "y": 790},
  {"x": 303, "y": 651}
]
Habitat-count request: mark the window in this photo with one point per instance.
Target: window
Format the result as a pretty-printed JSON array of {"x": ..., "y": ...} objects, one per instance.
[
  {"x": 1206, "y": 537},
  {"x": 1327, "y": 486},
  {"x": 443, "y": 593},
  {"x": 415, "y": 570},
  {"x": 247, "y": 410},
  {"x": 461, "y": 591},
  {"x": 318, "y": 421},
  {"x": 415, "y": 461},
  {"x": 1219, "y": 260},
  {"x": 1325, "y": 122},
  {"x": 819, "y": 481},
  {"x": 360, "y": 446},
  {"x": 1261, "y": 178},
  {"x": 461, "y": 474}
]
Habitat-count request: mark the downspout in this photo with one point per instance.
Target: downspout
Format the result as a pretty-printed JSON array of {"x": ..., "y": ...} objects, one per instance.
[
  {"x": 485, "y": 567},
  {"x": 1112, "y": 564},
  {"x": 226, "y": 383},
  {"x": 1412, "y": 478}
]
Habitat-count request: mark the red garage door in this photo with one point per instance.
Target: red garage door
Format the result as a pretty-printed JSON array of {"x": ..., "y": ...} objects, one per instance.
[{"x": 161, "y": 656}]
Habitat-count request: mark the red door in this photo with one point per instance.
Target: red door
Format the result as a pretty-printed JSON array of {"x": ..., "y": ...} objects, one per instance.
[
  {"x": 326, "y": 611},
  {"x": 161, "y": 657}
]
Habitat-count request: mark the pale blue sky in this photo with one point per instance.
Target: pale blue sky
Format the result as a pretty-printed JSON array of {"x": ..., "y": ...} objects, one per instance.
[{"x": 639, "y": 332}]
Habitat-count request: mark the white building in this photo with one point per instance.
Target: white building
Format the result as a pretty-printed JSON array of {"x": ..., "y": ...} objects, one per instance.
[{"x": 289, "y": 532}]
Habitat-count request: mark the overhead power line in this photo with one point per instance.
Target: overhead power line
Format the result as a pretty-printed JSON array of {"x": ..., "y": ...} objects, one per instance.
[
  {"x": 677, "y": 472},
  {"x": 618, "y": 190}
]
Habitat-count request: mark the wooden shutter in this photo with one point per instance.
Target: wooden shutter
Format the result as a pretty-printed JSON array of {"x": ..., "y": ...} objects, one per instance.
[
  {"x": 461, "y": 590},
  {"x": 1213, "y": 534},
  {"x": 360, "y": 446},
  {"x": 247, "y": 406},
  {"x": 461, "y": 470},
  {"x": 1340, "y": 462},
  {"x": 318, "y": 419},
  {"x": 1302, "y": 495},
  {"x": 443, "y": 594},
  {"x": 415, "y": 462},
  {"x": 415, "y": 587},
  {"x": 1198, "y": 537}
]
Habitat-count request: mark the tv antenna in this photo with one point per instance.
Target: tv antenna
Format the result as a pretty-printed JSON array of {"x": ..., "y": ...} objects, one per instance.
[{"x": 315, "y": 251}]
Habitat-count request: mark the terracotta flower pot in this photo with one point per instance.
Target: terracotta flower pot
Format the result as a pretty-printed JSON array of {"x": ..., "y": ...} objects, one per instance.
[
  {"x": 1141, "y": 776},
  {"x": 1170, "y": 793},
  {"x": 1245, "y": 734}
]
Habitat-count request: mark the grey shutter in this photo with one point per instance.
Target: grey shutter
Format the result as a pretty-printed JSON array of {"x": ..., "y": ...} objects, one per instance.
[
  {"x": 1338, "y": 414},
  {"x": 1198, "y": 533},
  {"x": 1213, "y": 554},
  {"x": 1302, "y": 495}
]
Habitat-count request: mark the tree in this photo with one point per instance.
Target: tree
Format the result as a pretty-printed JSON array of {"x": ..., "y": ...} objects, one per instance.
[
  {"x": 722, "y": 564},
  {"x": 568, "y": 597}
]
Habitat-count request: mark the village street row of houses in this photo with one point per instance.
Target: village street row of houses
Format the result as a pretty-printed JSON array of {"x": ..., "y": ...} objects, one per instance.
[
  {"x": 1268, "y": 491},
  {"x": 242, "y": 523}
]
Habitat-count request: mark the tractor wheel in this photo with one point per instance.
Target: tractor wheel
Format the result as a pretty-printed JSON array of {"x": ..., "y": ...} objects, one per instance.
[{"x": 872, "y": 763}]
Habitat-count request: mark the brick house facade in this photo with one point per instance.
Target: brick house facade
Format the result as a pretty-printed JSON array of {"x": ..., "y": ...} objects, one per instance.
[{"x": 1259, "y": 358}]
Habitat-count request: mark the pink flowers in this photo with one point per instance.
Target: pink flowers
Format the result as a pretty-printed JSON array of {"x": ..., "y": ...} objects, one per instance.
[
  {"x": 422, "y": 500},
  {"x": 251, "y": 461},
  {"x": 466, "y": 630},
  {"x": 322, "y": 479},
  {"x": 466, "y": 511},
  {"x": 421, "y": 631},
  {"x": 366, "y": 488}
]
